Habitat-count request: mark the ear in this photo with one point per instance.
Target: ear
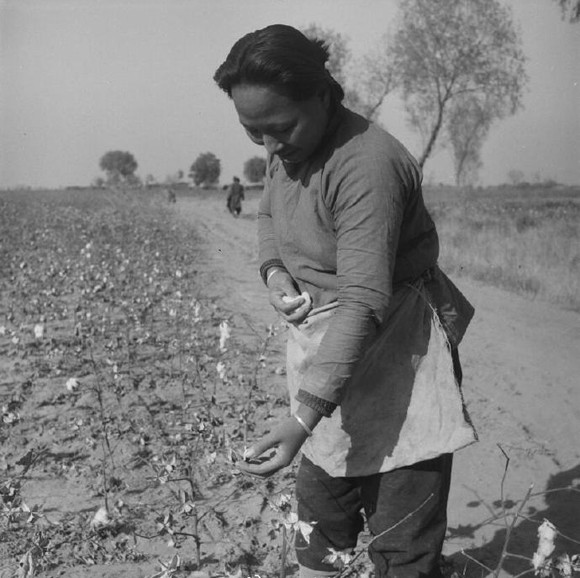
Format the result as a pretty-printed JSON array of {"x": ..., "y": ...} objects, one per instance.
[{"x": 324, "y": 95}]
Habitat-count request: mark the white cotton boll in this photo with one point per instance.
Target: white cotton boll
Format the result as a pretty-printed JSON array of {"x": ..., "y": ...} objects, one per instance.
[
  {"x": 197, "y": 311},
  {"x": 225, "y": 334},
  {"x": 39, "y": 331},
  {"x": 306, "y": 529},
  {"x": 72, "y": 384},
  {"x": 101, "y": 518},
  {"x": 305, "y": 295},
  {"x": 221, "y": 369},
  {"x": 546, "y": 535},
  {"x": 564, "y": 566}
]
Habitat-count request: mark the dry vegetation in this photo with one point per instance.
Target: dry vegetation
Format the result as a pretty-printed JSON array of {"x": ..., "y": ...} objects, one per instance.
[
  {"x": 523, "y": 240},
  {"x": 124, "y": 395}
]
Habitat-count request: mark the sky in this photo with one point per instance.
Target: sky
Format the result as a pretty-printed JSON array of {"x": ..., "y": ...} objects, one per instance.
[{"x": 81, "y": 77}]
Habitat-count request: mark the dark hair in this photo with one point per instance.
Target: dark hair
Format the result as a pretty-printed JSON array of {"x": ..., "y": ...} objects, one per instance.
[{"x": 279, "y": 56}]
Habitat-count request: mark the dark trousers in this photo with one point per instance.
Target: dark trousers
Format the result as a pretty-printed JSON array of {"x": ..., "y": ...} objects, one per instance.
[{"x": 411, "y": 549}]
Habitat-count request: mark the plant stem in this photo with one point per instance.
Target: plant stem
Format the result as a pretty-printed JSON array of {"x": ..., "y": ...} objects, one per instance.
[
  {"x": 501, "y": 487},
  {"x": 196, "y": 538},
  {"x": 469, "y": 557},
  {"x": 284, "y": 547},
  {"x": 509, "y": 531}
]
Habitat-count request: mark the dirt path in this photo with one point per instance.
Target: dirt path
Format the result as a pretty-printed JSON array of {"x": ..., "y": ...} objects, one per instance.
[{"x": 521, "y": 362}]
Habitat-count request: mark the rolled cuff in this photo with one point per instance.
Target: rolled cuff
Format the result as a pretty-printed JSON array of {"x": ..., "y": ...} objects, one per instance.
[{"x": 318, "y": 404}]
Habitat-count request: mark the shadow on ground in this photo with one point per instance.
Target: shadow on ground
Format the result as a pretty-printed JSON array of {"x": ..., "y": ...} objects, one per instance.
[{"x": 563, "y": 510}]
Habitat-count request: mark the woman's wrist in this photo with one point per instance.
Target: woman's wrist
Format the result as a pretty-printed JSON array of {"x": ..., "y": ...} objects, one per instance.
[
  {"x": 305, "y": 427},
  {"x": 269, "y": 264},
  {"x": 272, "y": 271},
  {"x": 307, "y": 417}
]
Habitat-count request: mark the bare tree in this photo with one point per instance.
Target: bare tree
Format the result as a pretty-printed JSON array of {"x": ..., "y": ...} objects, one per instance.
[
  {"x": 375, "y": 78},
  {"x": 570, "y": 9},
  {"x": 467, "y": 127},
  {"x": 337, "y": 44},
  {"x": 365, "y": 81},
  {"x": 446, "y": 50}
]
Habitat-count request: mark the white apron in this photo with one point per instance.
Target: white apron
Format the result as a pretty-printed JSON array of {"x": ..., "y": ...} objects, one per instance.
[{"x": 402, "y": 405}]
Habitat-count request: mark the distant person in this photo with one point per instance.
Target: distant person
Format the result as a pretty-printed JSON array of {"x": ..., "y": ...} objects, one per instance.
[
  {"x": 171, "y": 198},
  {"x": 235, "y": 197},
  {"x": 349, "y": 254}
]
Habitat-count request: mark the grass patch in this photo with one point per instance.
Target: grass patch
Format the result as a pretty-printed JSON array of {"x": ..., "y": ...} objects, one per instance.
[{"x": 523, "y": 241}]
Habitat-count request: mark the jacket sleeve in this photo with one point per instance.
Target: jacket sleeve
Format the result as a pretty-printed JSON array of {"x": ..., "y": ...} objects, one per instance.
[
  {"x": 367, "y": 201},
  {"x": 268, "y": 253}
]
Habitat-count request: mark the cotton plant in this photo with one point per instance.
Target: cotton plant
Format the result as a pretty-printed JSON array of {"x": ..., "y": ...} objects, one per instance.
[
  {"x": 567, "y": 565},
  {"x": 166, "y": 469},
  {"x": 293, "y": 524},
  {"x": 281, "y": 502},
  {"x": 28, "y": 564},
  {"x": 168, "y": 570},
  {"x": 32, "y": 514}
]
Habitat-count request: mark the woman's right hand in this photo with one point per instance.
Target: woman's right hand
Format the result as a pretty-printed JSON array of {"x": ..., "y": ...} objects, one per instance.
[{"x": 284, "y": 297}]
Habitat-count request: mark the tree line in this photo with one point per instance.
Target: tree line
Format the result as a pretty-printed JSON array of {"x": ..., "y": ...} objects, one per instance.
[{"x": 120, "y": 166}]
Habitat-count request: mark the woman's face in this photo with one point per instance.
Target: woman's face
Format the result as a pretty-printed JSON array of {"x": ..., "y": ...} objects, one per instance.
[{"x": 288, "y": 128}]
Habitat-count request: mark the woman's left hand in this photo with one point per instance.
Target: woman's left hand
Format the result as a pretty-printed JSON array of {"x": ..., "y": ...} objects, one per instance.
[{"x": 287, "y": 438}]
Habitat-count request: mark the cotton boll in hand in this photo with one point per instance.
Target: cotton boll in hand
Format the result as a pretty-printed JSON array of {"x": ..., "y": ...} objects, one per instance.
[{"x": 305, "y": 295}]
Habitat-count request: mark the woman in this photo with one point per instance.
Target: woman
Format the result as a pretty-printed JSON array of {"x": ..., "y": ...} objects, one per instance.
[{"x": 348, "y": 253}]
